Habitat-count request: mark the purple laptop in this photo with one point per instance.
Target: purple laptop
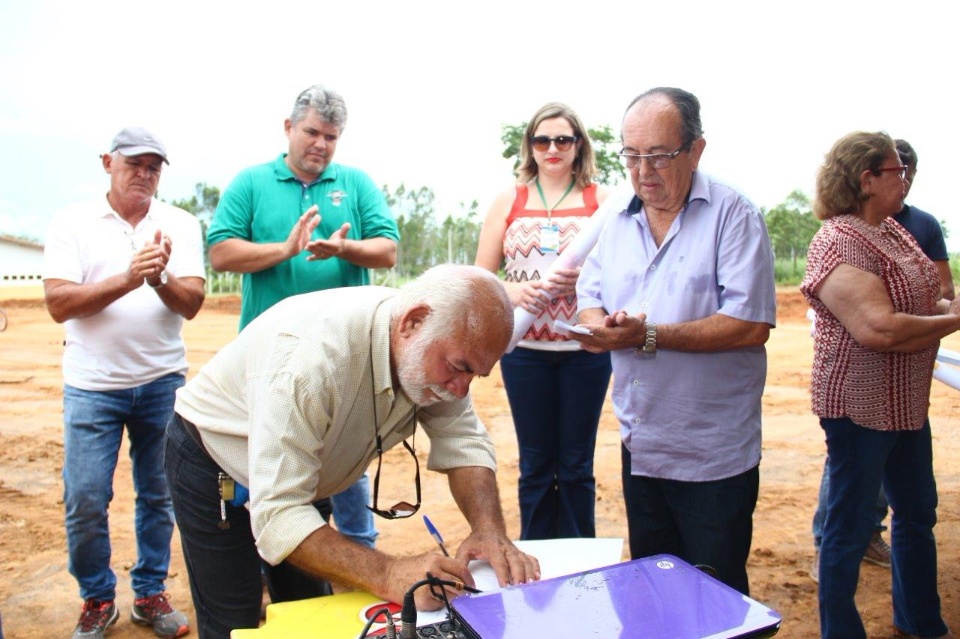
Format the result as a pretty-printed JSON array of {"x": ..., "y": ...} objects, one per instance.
[{"x": 657, "y": 597}]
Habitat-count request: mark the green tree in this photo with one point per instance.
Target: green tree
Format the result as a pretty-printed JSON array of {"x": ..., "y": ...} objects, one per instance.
[
  {"x": 202, "y": 205},
  {"x": 417, "y": 224},
  {"x": 461, "y": 234},
  {"x": 605, "y": 146},
  {"x": 791, "y": 226},
  {"x": 426, "y": 241}
]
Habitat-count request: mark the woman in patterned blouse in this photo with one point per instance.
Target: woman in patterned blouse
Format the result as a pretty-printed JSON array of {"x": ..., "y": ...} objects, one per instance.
[
  {"x": 879, "y": 323},
  {"x": 555, "y": 389}
]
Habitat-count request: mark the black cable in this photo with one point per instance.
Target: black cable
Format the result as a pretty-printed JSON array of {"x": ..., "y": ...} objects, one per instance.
[
  {"x": 408, "y": 611},
  {"x": 456, "y": 584},
  {"x": 435, "y": 585},
  {"x": 382, "y": 611}
]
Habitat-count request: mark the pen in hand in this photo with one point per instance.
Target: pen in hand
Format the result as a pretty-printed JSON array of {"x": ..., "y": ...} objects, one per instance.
[{"x": 436, "y": 535}]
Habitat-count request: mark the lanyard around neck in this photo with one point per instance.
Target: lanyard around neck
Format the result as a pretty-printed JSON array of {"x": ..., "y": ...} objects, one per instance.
[
  {"x": 562, "y": 197},
  {"x": 378, "y": 440}
]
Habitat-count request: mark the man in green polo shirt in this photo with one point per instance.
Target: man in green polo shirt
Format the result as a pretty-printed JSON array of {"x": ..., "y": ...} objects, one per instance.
[
  {"x": 300, "y": 224},
  {"x": 266, "y": 225}
]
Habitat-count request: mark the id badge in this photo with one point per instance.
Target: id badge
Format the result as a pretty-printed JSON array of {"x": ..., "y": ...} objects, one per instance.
[{"x": 550, "y": 238}]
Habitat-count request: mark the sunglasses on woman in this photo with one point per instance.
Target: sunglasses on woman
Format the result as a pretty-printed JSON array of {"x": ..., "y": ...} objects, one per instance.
[{"x": 562, "y": 142}]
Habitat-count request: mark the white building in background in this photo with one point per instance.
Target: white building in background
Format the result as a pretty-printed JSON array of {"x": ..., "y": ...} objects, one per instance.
[{"x": 21, "y": 262}]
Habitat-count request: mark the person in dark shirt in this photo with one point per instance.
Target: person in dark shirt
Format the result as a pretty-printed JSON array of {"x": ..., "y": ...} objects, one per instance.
[{"x": 923, "y": 226}]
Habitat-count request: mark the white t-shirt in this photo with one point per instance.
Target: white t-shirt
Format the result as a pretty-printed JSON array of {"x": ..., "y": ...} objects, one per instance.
[{"x": 136, "y": 339}]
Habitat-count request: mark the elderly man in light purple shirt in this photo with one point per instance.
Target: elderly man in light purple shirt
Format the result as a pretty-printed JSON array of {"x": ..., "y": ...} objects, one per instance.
[{"x": 680, "y": 288}]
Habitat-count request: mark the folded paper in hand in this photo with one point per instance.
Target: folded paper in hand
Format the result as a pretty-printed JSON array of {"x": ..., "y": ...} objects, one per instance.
[{"x": 566, "y": 329}]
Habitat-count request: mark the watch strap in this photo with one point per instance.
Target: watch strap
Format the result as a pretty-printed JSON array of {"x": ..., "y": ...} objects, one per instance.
[
  {"x": 649, "y": 346},
  {"x": 161, "y": 280}
]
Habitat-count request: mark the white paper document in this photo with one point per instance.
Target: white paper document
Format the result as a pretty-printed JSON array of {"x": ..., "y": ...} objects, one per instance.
[
  {"x": 557, "y": 557},
  {"x": 566, "y": 329}
]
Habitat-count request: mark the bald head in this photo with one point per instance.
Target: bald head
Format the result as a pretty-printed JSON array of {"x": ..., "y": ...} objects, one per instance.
[
  {"x": 656, "y": 132},
  {"x": 686, "y": 104}
]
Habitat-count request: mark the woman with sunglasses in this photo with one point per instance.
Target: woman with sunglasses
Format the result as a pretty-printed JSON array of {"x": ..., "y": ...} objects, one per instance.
[
  {"x": 879, "y": 323},
  {"x": 555, "y": 389}
]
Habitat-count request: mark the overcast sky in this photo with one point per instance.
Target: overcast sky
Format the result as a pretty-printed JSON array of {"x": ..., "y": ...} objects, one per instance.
[{"x": 429, "y": 84}]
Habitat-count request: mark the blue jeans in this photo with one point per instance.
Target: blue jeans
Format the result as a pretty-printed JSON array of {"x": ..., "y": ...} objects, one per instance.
[
  {"x": 93, "y": 429},
  {"x": 708, "y": 522},
  {"x": 351, "y": 515},
  {"x": 223, "y": 564},
  {"x": 860, "y": 458},
  {"x": 880, "y": 511},
  {"x": 556, "y": 399}
]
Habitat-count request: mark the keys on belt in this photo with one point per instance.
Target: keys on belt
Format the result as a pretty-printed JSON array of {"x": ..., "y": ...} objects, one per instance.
[{"x": 227, "y": 492}]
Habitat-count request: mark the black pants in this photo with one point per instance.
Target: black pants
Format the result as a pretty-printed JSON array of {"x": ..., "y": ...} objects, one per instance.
[
  {"x": 223, "y": 564},
  {"x": 708, "y": 522}
]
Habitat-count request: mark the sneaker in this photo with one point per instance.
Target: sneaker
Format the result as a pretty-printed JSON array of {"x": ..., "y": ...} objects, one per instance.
[
  {"x": 878, "y": 551},
  {"x": 815, "y": 566},
  {"x": 156, "y": 611},
  {"x": 95, "y": 618}
]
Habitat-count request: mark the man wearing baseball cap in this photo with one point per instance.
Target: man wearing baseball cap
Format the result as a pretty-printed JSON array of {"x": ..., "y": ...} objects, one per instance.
[
  {"x": 135, "y": 141},
  {"x": 121, "y": 272}
]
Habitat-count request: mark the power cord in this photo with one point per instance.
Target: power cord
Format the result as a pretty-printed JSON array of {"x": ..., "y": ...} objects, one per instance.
[
  {"x": 408, "y": 611},
  {"x": 391, "y": 629}
]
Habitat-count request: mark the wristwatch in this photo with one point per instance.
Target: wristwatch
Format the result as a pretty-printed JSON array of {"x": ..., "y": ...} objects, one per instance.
[
  {"x": 650, "y": 340},
  {"x": 162, "y": 282}
]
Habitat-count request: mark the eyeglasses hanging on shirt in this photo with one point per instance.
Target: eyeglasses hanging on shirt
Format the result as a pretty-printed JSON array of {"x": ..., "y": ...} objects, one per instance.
[{"x": 402, "y": 509}]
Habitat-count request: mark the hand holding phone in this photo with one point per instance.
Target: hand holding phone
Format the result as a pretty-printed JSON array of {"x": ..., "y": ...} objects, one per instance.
[{"x": 567, "y": 329}]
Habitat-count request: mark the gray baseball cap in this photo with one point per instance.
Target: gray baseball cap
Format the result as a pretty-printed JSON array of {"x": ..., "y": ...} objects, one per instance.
[{"x": 134, "y": 141}]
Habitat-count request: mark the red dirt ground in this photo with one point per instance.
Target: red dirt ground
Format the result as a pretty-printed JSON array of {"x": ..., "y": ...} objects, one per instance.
[{"x": 38, "y": 598}]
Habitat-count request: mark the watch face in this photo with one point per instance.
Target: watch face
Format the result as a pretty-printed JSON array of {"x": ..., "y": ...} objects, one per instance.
[{"x": 162, "y": 280}]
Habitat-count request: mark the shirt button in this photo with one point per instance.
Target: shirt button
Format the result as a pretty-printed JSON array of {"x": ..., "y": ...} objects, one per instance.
[
  {"x": 653, "y": 267},
  {"x": 636, "y": 382},
  {"x": 636, "y": 420}
]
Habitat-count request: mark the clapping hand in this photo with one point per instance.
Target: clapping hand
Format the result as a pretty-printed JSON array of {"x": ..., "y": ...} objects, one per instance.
[
  {"x": 299, "y": 237},
  {"x": 330, "y": 247},
  {"x": 151, "y": 260}
]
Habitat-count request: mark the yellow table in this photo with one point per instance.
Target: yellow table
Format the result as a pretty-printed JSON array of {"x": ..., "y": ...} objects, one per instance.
[
  {"x": 343, "y": 616},
  {"x": 334, "y": 617}
]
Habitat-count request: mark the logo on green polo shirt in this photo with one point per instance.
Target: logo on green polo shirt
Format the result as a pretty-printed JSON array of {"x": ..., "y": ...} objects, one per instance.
[{"x": 336, "y": 197}]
